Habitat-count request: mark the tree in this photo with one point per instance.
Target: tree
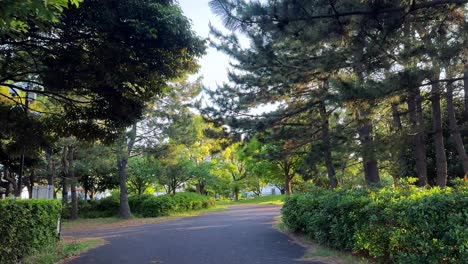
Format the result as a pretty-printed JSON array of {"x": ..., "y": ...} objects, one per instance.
[
  {"x": 141, "y": 174},
  {"x": 364, "y": 52}
]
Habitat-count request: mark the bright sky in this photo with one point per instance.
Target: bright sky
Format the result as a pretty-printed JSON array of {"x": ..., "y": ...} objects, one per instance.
[{"x": 214, "y": 64}]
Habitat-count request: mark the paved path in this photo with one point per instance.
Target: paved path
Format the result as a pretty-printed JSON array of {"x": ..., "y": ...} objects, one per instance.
[{"x": 239, "y": 235}]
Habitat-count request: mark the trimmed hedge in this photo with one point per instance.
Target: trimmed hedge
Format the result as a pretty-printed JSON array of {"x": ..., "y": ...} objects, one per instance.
[
  {"x": 180, "y": 202},
  {"x": 27, "y": 226},
  {"x": 407, "y": 225},
  {"x": 146, "y": 205}
]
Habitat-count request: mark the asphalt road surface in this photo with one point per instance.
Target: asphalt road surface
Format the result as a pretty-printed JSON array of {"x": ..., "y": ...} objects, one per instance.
[{"x": 239, "y": 235}]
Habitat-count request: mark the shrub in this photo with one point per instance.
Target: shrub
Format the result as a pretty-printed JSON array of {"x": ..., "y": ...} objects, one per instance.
[
  {"x": 26, "y": 226},
  {"x": 158, "y": 206},
  {"x": 180, "y": 202},
  {"x": 145, "y": 205},
  {"x": 407, "y": 225},
  {"x": 135, "y": 202}
]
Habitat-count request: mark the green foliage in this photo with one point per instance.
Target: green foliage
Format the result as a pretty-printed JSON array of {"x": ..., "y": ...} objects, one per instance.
[
  {"x": 26, "y": 226},
  {"x": 136, "y": 203},
  {"x": 180, "y": 202},
  {"x": 145, "y": 205},
  {"x": 406, "y": 225}
]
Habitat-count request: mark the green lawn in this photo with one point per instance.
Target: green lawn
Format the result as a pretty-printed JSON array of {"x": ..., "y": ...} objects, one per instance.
[
  {"x": 63, "y": 250},
  {"x": 271, "y": 199}
]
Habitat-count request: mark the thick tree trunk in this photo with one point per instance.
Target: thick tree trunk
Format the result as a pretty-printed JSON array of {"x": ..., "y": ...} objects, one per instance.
[
  {"x": 122, "y": 160},
  {"x": 64, "y": 191},
  {"x": 287, "y": 185},
  {"x": 124, "y": 208},
  {"x": 11, "y": 179},
  {"x": 236, "y": 194},
  {"x": 371, "y": 171},
  {"x": 417, "y": 135},
  {"x": 465, "y": 89},
  {"x": 454, "y": 129},
  {"x": 465, "y": 80},
  {"x": 327, "y": 145},
  {"x": 441, "y": 160},
  {"x": 31, "y": 181},
  {"x": 73, "y": 182},
  {"x": 400, "y": 159}
]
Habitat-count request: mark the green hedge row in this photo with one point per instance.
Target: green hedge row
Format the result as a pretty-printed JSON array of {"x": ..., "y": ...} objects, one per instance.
[
  {"x": 167, "y": 204},
  {"x": 27, "y": 226},
  {"x": 146, "y": 205},
  {"x": 408, "y": 225}
]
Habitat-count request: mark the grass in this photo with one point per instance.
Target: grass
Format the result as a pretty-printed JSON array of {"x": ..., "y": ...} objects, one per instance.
[
  {"x": 63, "y": 250},
  {"x": 270, "y": 199},
  {"x": 319, "y": 253},
  {"x": 83, "y": 224}
]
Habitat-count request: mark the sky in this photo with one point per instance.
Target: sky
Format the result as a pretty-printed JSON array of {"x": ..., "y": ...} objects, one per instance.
[{"x": 214, "y": 64}]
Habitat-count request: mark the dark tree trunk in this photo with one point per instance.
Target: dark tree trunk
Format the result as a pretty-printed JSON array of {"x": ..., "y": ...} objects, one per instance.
[
  {"x": 454, "y": 130},
  {"x": 371, "y": 171},
  {"x": 124, "y": 208},
  {"x": 125, "y": 149},
  {"x": 31, "y": 181},
  {"x": 73, "y": 182},
  {"x": 441, "y": 160},
  {"x": 397, "y": 128},
  {"x": 327, "y": 145},
  {"x": 417, "y": 135},
  {"x": 64, "y": 191},
  {"x": 11, "y": 179},
  {"x": 50, "y": 168},
  {"x": 287, "y": 185},
  {"x": 236, "y": 194},
  {"x": 465, "y": 81},
  {"x": 200, "y": 188}
]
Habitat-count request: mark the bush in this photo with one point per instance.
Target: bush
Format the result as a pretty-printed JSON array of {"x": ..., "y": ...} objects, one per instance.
[
  {"x": 408, "y": 225},
  {"x": 135, "y": 202},
  {"x": 27, "y": 226},
  {"x": 181, "y": 202},
  {"x": 158, "y": 206},
  {"x": 144, "y": 205}
]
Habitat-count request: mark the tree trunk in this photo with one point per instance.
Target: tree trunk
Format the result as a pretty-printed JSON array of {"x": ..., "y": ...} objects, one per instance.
[
  {"x": 50, "y": 168},
  {"x": 465, "y": 89},
  {"x": 124, "y": 208},
  {"x": 73, "y": 182},
  {"x": 287, "y": 185},
  {"x": 31, "y": 181},
  {"x": 327, "y": 145},
  {"x": 465, "y": 79},
  {"x": 397, "y": 129},
  {"x": 417, "y": 135},
  {"x": 371, "y": 171},
  {"x": 236, "y": 194},
  {"x": 441, "y": 160},
  {"x": 454, "y": 129},
  {"x": 64, "y": 191},
  {"x": 7, "y": 176},
  {"x": 125, "y": 149}
]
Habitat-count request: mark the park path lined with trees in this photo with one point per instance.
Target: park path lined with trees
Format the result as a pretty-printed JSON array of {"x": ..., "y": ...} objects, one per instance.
[
  {"x": 241, "y": 234},
  {"x": 350, "y": 108}
]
